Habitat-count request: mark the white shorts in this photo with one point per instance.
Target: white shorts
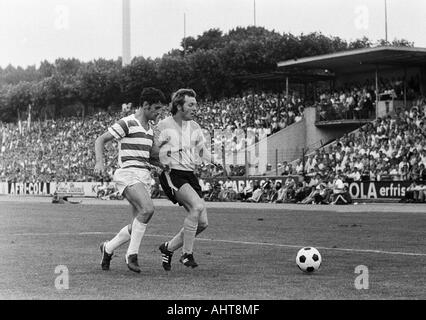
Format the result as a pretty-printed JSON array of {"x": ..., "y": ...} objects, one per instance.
[{"x": 126, "y": 177}]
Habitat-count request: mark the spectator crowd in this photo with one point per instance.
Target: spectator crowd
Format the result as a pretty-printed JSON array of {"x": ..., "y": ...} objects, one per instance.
[
  {"x": 357, "y": 100},
  {"x": 390, "y": 148},
  {"x": 63, "y": 149},
  {"x": 307, "y": 190}
]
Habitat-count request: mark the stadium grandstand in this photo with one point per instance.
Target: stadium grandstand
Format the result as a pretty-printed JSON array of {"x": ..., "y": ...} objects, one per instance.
[
  {"x": 315, "y": 183},
  {"x": 359, "y": 114}
]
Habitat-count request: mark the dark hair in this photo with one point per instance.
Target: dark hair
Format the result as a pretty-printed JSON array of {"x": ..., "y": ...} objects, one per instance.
[
  {"x": 151, "y": 96},
  {"x": 178, "y": 98}
]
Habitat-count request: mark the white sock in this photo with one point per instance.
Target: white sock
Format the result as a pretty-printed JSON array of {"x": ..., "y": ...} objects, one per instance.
[
  {"x": 189, "y": 230},
  {"x": 121, "y": 237},
  {"x": 176, "y": 242},
  {"x": 138, "y": 230}
]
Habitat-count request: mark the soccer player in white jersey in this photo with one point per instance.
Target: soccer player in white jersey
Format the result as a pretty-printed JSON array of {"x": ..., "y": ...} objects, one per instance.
[
  {"x": 183, "y": 146},
  {"x": 133, "y": 177}
]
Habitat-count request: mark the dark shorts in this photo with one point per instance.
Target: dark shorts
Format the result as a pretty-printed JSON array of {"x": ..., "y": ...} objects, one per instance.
[{"x": 177, "y": 179}]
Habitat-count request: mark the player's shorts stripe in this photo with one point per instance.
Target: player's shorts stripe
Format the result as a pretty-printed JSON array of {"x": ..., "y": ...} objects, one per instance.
[
  {"x": 141, "y": 135},
  {"x": 133, "y": 146}
]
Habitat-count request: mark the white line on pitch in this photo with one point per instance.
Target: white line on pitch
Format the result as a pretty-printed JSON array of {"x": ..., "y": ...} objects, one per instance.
[{"x": 226, "y": 241}]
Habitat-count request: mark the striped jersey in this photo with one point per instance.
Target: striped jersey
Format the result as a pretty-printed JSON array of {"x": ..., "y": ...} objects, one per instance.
[
  {"x": 134, "y": 143},
  {"x": 181, "y": 152}
]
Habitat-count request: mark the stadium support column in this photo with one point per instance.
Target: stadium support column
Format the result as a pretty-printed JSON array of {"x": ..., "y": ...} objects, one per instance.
[
  {"x": 305, "y": 88},
  {"x": 377, "y": 90},
  {"x": 246, "y": 157},
  {"x": 315, "y": 90},
  {"x": 286, "y": 87},
  {"x": 276, "y": 162},
  {"x": 224, "y": 158},
  {"x": 405, "y": 88}
]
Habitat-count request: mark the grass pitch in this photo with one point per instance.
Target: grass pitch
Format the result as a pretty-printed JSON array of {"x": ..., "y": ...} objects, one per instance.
[{"x": 248, "y": 252}]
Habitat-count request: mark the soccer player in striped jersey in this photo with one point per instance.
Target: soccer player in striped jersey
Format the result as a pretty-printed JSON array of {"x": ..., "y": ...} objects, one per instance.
[
  {"x": 183, "y": 146},
  {"x": 133, "y": 177}
]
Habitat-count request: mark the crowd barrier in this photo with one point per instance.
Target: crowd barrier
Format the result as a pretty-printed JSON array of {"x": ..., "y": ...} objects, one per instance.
[
  {"x": 358, "y": 190},
  {"x": 378, "y": 189},
  {"x": 86, "y": 189}
]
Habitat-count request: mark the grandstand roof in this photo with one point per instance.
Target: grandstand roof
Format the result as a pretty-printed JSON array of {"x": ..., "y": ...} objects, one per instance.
[
  {"x": 294, "y": 77},
  {"x": 359, "y": 60}
]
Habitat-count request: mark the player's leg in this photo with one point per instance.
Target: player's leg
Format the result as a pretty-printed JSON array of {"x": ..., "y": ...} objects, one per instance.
[
  {"x": 176, "y": 242},
  {"x": 188, "y": 197},
  {"x": 141, "y": 201},
  {"x": 167, "y": 248},
  {"x": 122, "y": 236},
  {"x": 108, "y": 247}
]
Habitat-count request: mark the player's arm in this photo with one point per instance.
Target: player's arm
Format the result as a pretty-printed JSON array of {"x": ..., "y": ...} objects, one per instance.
[
  {"x": 155, "y": 157},
  {"x": 202, "y": 149},
  {"x": 207, "y": 157},
  {"x": 160, "y": 149},
  {"x": 99, "y": 151},
  {"x": 205, "y": 154},
  {"x": 160, "y": 138},
  {"x": 117, "y": 131}
]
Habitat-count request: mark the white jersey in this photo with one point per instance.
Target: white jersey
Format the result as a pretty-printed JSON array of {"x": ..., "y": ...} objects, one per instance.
[{"x": 183, "y": 146}]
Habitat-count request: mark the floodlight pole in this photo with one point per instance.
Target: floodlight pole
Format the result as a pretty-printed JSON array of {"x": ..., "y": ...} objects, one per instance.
[
  {"x": 126, "y": 38},
  {"x": 254, "y": 12},
  {"x": 184, "y": 34},
  {"x": 386, "y": 22}
]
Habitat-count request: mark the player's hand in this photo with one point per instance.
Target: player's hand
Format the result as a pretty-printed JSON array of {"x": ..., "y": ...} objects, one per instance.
[
  {"x": 99, "y": 168},
  {"x": 217, "y": 165},
  {"x": 162, "y": 143},
  {"x": 161, "y": 166}
]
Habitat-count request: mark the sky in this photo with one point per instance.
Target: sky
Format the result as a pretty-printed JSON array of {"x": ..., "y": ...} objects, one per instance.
[{"x": 35, "y": 30}]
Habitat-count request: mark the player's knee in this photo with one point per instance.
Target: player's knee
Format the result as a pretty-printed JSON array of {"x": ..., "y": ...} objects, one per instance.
[
  {"x": 201, "y": 227},
  {"x": 145, "y": 214},
  {"x": 148, "y": 211},
  {"x": 198, "y": 208}
]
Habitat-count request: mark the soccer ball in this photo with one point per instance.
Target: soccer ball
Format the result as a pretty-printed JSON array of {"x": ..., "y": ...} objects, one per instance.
[{"x": 308, "y": 259}]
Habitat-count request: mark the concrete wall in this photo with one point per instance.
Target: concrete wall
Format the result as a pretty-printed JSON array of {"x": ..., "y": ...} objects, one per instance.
[
  {"x": 316, "y": 136},
  {"x": 287, "y": 144}
]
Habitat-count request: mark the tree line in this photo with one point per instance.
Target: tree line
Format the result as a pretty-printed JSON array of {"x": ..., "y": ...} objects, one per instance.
[{"x": 210, "y": 63}]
